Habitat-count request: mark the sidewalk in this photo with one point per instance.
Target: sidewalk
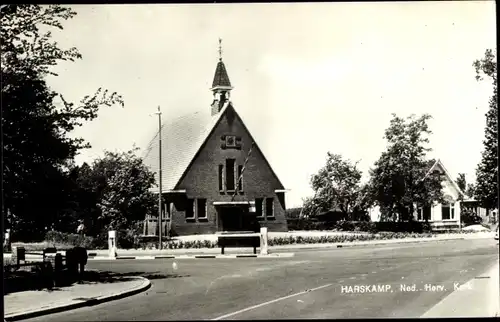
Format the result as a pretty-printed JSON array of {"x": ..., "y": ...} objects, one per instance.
[
  {"x": 479, "y": 298},
  {"x": 23, "y": 305},
  {"x": 103, "y": 254},
  {"x": 147, "y": 253}
]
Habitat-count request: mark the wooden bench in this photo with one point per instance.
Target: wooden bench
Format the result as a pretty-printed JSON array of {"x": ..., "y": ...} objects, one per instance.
[{"x": 239, "y": 240}]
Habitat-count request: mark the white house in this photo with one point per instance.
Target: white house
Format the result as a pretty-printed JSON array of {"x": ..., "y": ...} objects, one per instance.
[{"x": 440, "y": 216}]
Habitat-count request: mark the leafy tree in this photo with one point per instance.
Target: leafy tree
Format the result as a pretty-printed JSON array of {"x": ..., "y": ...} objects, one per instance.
[
  {"x": 461, "y": 182},
  {"x": 115, "y": 191},
  {"x": 364, "y": 201},
  {"x": 84, "y": 197},
  {"x": 400, "y": 179},
  {"x": 467, "y": 188},
  {"x": 336, "y": 186},
  {"x": 487, "y": 171},
  {"x": 309, "y": 207},
  {"x": 36, "y": 121},
  {"x": 471, "y": 190}
]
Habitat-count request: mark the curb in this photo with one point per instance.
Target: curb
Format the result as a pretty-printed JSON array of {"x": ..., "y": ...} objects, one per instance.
[
  {"x": 315, "y": 247},
  {"x": 406, "y": 242},
  {"x": 275, "y": 255},
  {"x": 146, "y": 284}
]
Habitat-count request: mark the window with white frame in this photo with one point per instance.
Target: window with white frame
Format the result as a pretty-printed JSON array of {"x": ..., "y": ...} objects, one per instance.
[
  {"x": 420, "y": 214},
  {"x": 259, "y": 208},
  {"x": 190, "y": 209},
  {"x": 201, "y": 208},
  {"x": 445, "y": 212},
  {"x": 452, "y": 209},
  {"x": 166, "y": 210},
  {"x": 269, "y": 207},
  {"x": 447, "y": 207}
]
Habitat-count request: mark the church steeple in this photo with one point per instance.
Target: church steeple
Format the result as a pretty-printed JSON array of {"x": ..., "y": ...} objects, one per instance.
[{"x": 221, "y": 86}]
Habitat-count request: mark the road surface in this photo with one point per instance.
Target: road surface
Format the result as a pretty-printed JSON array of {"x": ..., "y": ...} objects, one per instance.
[{"x": 313, "y": 284}]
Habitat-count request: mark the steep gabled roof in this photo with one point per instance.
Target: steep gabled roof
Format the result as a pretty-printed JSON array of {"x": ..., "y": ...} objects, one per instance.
[
  {"x": 447, "y": 174},
  {"x": 182, "y": 140}
]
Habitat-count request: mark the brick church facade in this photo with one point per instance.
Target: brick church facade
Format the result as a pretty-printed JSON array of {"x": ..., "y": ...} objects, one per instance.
[{"x": 214, "y": 176}]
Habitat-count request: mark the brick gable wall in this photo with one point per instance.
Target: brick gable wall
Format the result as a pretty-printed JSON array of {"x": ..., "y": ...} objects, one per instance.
[{"x": 202, "y": 181}]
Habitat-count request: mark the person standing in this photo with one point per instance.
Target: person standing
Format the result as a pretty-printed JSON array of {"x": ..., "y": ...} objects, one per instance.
[{"x": 81, "y": 229}]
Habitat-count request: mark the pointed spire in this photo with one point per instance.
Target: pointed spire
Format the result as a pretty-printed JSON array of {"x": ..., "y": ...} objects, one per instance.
[
  {"x": 221, "y": 86},
  {"x": 221, "y": 79}
]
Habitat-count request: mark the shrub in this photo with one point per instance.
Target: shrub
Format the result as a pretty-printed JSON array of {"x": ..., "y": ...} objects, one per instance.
[
  {"x": 70, "y": 240},
  {"x": 344, "y": 225}
]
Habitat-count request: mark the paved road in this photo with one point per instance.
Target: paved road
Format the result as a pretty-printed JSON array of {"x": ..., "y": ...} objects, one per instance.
[{"x": 253, "y": 288}]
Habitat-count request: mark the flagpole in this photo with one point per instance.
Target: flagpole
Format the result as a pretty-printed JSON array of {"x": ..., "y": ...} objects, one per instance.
[
  {"x": 242, "y": 170},
  {"x": 159, "y": 181}
]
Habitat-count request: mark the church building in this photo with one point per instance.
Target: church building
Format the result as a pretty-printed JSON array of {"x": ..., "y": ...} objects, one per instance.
[{"x": 214, "y": 176}]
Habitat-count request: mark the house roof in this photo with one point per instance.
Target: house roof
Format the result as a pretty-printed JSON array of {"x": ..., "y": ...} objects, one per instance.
[
  {"x": 182, "y": 139},
  {"x": 437, "y": 163},
  {"x": 221, "y": 79}
]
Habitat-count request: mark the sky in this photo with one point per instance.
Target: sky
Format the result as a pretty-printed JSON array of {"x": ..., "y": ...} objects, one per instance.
[{"x": 308, "y": 77}]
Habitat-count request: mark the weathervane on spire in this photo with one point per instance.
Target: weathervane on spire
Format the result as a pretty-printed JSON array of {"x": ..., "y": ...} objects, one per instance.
[{"x": 220, "y": 49}]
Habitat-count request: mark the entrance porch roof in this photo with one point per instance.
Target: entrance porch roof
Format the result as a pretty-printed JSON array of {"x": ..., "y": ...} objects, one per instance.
[{"x": 233, "y": 203}]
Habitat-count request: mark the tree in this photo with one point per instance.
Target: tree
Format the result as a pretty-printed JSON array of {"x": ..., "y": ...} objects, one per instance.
[
  {"x": 467, "y": 188},
  {"x": 461, "y": 182},
  {"x": 400, "y": 180},
  {"x": 470, "y": 192},
  {"x": 37, "y": 149},
  {"x": 118, "y": 189},
  {"x": 336, "y": 186},
  {"x": 486, "y": 188},
  {"x": 364, "y": 201}
]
